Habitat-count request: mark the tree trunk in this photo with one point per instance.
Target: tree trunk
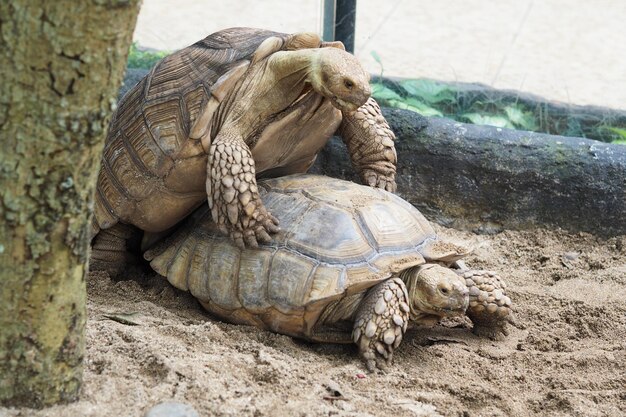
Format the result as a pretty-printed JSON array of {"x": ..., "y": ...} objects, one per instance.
[{"x": 61, "y": 64}]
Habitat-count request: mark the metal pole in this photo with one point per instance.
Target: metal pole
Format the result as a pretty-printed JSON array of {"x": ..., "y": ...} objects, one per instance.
[
  {"x": 345, "y": 23},
  {"x": 328, "y": 20},
  {"x": 339, "y": 21}
]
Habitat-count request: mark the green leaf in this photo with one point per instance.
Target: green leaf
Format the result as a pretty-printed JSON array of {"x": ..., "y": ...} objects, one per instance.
[
  {"x": 520, "y": 118},
  {"x": 416, "y": 106},
  {"x": 488, "y": 119},
  {"x": 515, "y": 114},
  {"x": 619, "y": 142},
  {"x": 619, "y": 131},
  {"x": 383, "y": 93},
  {"x": 138, "y": 58},
  {"x": 428, "y": 91}
]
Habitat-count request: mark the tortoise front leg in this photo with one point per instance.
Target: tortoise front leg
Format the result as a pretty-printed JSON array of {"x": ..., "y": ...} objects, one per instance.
[
  {"x": 232, "y": 192},
  {"x": 370, "y": 143},
  {"x": 489, "y": 306},
  {"x": 381, "y": 321}
]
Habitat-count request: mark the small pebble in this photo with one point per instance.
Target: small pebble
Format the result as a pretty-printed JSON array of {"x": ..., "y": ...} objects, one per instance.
[{"x": 172, "y": 409}]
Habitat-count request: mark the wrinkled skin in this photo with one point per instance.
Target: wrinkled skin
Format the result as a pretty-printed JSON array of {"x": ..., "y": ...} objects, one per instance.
[
  {"x": 340, "y": 77},
  {"x": 422, "y": 296}
]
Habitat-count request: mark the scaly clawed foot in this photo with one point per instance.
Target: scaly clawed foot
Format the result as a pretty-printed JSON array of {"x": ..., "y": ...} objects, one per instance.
[
  {"x": 381, "y": 322},
  {"x": 489, "y": 307},
  {"x": 233, "y": 196}
]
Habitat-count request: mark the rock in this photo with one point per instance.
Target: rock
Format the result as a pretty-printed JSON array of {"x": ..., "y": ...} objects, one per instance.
[
  {"x": 333, "y": 389},
  {"x": 172, "y": 409},
  {"x": 571, "y": 256},
  {"x": 486, "y": 179}
]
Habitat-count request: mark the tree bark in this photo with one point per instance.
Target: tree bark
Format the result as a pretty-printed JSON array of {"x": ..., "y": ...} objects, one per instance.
[{"x": 61, "y": 64}]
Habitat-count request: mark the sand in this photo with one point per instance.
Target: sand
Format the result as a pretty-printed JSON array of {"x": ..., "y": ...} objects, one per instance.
[
  {"x": 565, "y": 50},
  {"x": 566, "y": 351},
  {"x": 565, "y": 354}
]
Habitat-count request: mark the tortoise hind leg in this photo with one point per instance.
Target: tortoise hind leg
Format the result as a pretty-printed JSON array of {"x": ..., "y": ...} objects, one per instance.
[
  {"x": 112, "y": 249},
  {"x": 381, "y": 322}
]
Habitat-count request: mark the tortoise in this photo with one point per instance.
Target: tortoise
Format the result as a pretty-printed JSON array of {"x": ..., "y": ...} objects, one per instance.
[
  {"x": 351, "y": 264},
  {"x": 210, "y": 118}
]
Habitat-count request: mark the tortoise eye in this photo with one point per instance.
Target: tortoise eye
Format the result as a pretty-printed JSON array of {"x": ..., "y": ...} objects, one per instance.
[{"x": 349, "y": 84}]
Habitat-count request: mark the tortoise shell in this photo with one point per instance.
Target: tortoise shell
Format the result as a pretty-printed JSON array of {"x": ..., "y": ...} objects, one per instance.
[
  {"x": 151, "y": 126},
  {"x": 338, "y": 238}
]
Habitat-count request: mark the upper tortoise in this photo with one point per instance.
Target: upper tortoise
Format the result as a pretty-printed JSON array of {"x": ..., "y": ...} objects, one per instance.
[
  {"x": 351, "y": 264},
  {"x": 211, "y": 117}
]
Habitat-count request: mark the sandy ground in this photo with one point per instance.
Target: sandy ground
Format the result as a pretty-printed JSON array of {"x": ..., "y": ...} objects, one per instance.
[
  {"x": 566, "y": 50},
  {"x": 565, "y": 355}
]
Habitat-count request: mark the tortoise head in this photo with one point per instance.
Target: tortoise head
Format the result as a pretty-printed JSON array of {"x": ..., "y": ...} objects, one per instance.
[
  {"x": 339, "y": 76},
  {"x": 435, "y": 291}
]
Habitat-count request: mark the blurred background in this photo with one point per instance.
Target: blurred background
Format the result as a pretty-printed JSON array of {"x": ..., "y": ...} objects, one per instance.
[{"x": 572, "y": 51}]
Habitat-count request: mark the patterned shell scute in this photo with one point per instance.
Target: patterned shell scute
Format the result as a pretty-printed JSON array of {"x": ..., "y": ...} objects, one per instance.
[
  {"x": 351, "y": 224},
  {"x": 358, "y": 235},
  {"x": 155, "y": 117}
]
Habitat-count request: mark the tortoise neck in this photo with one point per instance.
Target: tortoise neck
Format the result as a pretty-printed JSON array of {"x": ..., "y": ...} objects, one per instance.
[
  {"x": 285, "y": 63},
  {"x": 267, "y": 88},
  {"x": 412, "y": 279}
]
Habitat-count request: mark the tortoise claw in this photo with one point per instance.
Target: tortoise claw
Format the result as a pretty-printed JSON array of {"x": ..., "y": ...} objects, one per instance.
[{"x": 378, "y": 180}]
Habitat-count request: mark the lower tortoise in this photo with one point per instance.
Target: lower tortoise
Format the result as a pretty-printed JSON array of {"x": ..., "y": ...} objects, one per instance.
[{"x": 351, "y": 264}]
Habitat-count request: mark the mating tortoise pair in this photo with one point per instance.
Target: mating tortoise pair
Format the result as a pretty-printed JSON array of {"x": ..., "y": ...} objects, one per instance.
[{"x": 352, "y": 263}]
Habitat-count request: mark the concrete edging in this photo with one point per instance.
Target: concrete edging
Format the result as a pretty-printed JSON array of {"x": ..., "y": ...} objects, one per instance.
[{"x": 486, "y": 179}]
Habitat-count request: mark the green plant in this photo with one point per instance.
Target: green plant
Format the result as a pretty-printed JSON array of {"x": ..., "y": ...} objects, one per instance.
[
  {"x": 621, "y": 133},
  {"x": 433, "y": 98},
  {"x": 140, "y": 58}
]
